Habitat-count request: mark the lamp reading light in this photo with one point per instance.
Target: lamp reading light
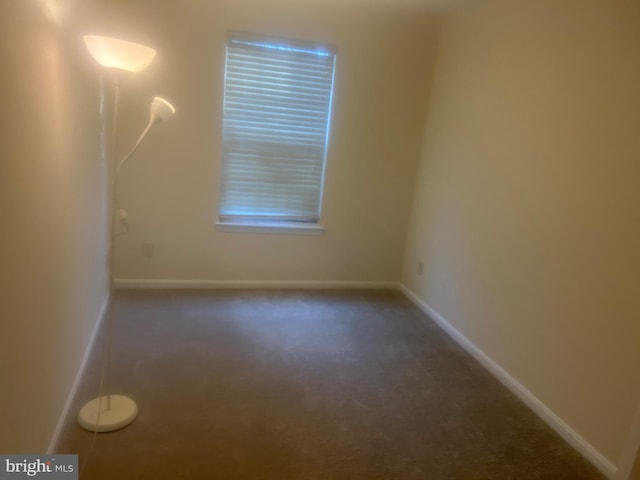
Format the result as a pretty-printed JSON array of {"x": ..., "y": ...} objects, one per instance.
[
  {"x": 121, "y": 54},
  {"x": 161, "y": 110}
]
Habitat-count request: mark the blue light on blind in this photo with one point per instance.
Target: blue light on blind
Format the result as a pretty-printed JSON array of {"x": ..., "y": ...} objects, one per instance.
[{"x": 284, "y": 48}]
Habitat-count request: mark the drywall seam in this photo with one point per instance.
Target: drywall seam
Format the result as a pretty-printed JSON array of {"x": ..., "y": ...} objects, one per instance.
[
  {"x": 140, "y": 283},
  {"x": 80, "y": 373},
  {"x": 545, "y": 413}
]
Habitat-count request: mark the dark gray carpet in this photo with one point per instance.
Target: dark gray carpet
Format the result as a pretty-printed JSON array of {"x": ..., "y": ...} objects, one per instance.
[{"x": 292, "y": 385}]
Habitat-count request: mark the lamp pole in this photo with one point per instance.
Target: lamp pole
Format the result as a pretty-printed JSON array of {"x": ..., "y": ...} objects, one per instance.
[
  {"x": 112, "y": 230},
  {"x": 110, "y": 412}
]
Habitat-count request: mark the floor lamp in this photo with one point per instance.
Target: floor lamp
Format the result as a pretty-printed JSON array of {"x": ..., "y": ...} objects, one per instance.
[{"x": 120, "y": 58}]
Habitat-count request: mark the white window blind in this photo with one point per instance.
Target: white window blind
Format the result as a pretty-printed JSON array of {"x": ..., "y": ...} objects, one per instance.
[{"x": 277, "y": 103}]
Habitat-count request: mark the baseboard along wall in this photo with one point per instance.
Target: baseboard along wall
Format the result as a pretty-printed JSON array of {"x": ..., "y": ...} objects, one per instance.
[
  {"x": 141, "y": 283},
  {"x": 78, "y": 378},
  {"x": 602, "y": 463}
]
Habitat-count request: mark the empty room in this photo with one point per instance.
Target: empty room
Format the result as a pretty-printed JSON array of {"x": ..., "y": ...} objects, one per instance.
[{"x": 320, "y": 239}]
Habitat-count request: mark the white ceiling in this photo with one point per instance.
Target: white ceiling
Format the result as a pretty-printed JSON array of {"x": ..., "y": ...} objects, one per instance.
[{"x": 61, "y": 11}]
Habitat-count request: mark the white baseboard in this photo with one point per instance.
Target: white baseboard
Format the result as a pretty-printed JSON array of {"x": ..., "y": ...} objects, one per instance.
[
  {"x": 545, "y": 413},
  {"x": 143, "y": 283},
  {"x": 74, "y": 388}
]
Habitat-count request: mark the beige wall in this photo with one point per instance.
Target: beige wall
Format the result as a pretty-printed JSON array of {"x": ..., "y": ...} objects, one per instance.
[
  {"x": 526, "y": 212},
  {"x": 171, "y": 187},
  {"x": 52, "y": 281}
]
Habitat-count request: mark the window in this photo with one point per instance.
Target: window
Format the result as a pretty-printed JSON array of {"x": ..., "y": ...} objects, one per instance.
[{"x": 277, "y": 104}]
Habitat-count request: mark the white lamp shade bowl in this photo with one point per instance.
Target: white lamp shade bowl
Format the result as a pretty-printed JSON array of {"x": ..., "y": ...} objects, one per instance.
[{"x": 120, "y": 54}]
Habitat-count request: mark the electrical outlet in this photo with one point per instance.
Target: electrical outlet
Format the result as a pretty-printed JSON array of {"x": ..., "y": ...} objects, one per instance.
[
  {"x": 420, "y": 268},
  {"x": 148, "y": 250}
]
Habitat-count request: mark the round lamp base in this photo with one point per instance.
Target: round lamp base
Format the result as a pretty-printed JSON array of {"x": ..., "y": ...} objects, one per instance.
[{"x": 95, "y": 417}]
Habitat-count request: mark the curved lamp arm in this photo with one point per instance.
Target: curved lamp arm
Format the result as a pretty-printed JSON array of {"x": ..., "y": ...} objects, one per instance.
[
  {"x": 160, "y": 110},
  {"x": 133, "y": 150}
]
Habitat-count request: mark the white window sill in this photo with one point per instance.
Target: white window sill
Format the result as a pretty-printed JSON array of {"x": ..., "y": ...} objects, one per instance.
[{"x": 294, "y": 228}]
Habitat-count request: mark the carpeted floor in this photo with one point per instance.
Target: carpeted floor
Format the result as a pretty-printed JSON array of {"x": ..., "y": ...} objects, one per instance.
[{"x": 317, "y": 385}]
